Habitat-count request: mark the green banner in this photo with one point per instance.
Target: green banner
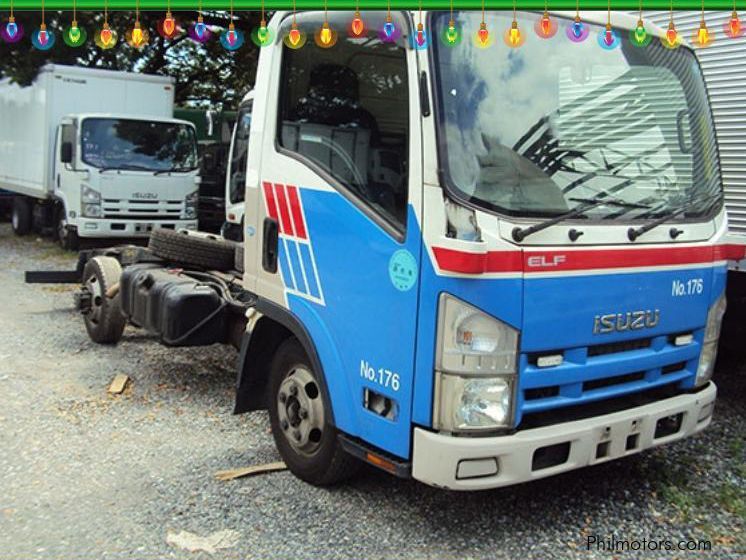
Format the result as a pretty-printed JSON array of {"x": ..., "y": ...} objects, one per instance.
[{"x": 621, "y": 5}]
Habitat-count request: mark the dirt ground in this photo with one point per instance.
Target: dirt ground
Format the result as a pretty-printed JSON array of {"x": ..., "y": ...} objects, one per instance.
[{"x": 87, "y": 474}]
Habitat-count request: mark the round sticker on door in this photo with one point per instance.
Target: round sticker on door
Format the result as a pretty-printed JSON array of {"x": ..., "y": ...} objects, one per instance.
[{"x": 403, "y": 270}]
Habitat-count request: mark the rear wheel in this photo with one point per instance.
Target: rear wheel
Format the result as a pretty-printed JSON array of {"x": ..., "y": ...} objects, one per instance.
[
  {"x": 301, "y": 420},
  {"x": 103, "y": 315},
  {"x": 21, "y": 217}
]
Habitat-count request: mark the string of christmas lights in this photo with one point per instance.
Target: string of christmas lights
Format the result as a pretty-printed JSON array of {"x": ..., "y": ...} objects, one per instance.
[{"x": 545, "y": 27}]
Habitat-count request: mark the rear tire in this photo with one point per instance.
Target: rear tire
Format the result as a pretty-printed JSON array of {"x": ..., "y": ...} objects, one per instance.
[
  {"x": 21, "y": 216},
  {"x": 209, "y": 252},
  {"x": 104, "y": 321},
  {"x": 301, "y": 420}
]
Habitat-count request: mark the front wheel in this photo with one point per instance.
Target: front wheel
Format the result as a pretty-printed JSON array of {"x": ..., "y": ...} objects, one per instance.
[
  {"x": 66, "y": 236},
  {"x": 301, "y": 420}
]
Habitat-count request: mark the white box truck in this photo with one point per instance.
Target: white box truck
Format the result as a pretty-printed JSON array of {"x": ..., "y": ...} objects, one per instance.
[{"x": 96, "y": 153}]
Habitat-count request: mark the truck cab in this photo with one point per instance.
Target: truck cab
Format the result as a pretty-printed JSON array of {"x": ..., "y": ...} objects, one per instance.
[
  {"x": 476, "y": 262},
  {"x": 502, "y": 263},
  {"x": 121, "y": 176},
  {"x": 235, "y": 181}
]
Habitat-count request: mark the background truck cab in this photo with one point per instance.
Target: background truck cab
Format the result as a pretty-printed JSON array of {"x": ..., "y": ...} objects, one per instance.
[
  {"x": 497, "y": 264},
  {"x": 95, "y": 153}
]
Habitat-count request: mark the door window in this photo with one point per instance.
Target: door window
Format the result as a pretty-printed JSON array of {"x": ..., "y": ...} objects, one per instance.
[
  {"x": 240, "y": 154},
  {"x": 345, "y": 111}
]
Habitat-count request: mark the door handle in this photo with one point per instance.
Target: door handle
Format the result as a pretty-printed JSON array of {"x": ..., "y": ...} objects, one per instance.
[
  {"x": 271, "y": 239},
  {"x": 58, "y": 181}
]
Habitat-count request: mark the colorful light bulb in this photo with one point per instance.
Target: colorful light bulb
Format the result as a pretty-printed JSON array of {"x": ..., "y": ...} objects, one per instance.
[
  {"x": 640, "y": 33},
  {"x": 169, "y": 24},
  {"x": 42, "y": 35},
  {"x": 608, "y": 35},
  {"x": 420, "y": 35},
  {"x": 325, "y": 35},
  {"x": 388, "y": 27},
  {"x": 483, "y": 36},
  {"x": 734, "y": 25},
  {"x": 137, "y": 35},
  {"x": 357, "y": 26},
  {"x": 74, "y": 32},
  {"x": 545, "y": 24},
  {"x": 11, "y": 28},
  {"x": 671, "y": 34},
  {"x": 577, "y": 28},
  {"x": 702, "y": 37},
  {"x": 451, "y": 33},
  {"x": 232, "y": 36},
  {"x": 294, "y": 36},
  {"x": 262, "y": 32},
  {"x": 200, "y": 29},
  {"x": 514, "y": 34},
  {"x": 106, "y": 35}
]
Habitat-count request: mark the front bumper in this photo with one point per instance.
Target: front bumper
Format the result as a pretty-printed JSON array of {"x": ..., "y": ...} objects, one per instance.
[
  {"x": 476, "y": 463},
  {"x": 113, "y": 227}
]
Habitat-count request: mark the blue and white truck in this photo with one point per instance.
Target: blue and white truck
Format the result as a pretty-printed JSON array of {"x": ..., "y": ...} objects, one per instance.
[{"x": 471, "y": 266}]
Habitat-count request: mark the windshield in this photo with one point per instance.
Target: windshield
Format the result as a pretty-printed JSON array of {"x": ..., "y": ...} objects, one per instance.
[
  {"x": 138, "y": 145},
  {"x": 528, "y": 131}
]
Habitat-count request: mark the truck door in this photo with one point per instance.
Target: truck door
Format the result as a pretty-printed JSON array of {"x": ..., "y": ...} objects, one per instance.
[
  {"x": 340, "y": 202},
  {"x": 66, "y": 179}
]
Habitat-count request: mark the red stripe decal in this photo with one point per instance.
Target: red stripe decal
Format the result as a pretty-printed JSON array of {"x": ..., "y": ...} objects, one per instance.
[
  {"x": 295, "y": 210},
  {"x": 558, "y": 261},
  {"x": 286, "y": 226},
  {"x": 730, "y": 252},
  {"x": 477, "y": 263},
  {"x": 269, "y": 198}
]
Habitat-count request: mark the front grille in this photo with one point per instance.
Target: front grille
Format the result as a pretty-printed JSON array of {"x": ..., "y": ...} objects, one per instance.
[
  {"x": 616, "y": 347},
  {"x": 136, "y": 209},
  {"x": 602, "y": 372}
]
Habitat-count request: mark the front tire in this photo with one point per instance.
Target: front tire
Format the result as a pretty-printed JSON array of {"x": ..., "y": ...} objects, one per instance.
[
  {"x": 301, "y": 420},
  {"x": 21, "y": 216},
  {"x": 103, "y": 318},
  {"x": 67, "y": 237}
]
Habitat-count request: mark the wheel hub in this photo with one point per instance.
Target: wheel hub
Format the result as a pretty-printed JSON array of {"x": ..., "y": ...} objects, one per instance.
[
  {"x": 95, "y": 299},
  {"x": 301, "y": 411}
]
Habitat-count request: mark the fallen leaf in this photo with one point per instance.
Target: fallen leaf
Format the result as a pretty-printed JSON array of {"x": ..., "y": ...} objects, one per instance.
[
  {"x": 219, "y": 540},
  {"x": 250, "y": 471}
]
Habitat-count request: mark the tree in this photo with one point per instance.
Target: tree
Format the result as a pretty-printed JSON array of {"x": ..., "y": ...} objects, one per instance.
[{"x": 207, "y": 75}]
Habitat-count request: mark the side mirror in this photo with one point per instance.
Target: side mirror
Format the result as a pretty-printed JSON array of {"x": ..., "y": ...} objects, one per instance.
[{"x": 66, "y": 152}]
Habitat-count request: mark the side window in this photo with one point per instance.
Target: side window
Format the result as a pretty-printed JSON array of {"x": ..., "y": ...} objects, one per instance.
[
  {"x": 346, "y": 110},
  {"x": 68, "y": 135},
  {"x": 240, "y": 154}
]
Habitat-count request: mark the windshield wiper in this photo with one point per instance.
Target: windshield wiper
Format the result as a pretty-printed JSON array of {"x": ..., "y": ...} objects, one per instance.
[
  {"x": 175, "y": 170},
  {"x": 519, "y": 233},
  {"x": 634, "y": 233},
  {"x": 125, "y": 167}
]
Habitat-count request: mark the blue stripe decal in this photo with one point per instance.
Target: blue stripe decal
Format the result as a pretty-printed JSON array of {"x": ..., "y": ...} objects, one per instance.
[
  {"x": 307, "y": 263},
  {"x": 285, "y": 267},
  {"x": 294, "y": 259}
]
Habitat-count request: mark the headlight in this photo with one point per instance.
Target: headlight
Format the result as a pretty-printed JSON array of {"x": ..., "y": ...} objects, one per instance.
[
  {"x": 90, "y": 202},
  {"x": 89, "y": 195},
  {"x": 92, "y": 211},
  {"x": 710, "y": 346},
  {"x": 190, "y": 205},
  {"x": 476, "y": 369}
]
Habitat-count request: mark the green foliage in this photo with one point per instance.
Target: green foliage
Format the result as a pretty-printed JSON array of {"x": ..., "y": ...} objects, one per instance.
[{"x": 206, "y": 75}]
